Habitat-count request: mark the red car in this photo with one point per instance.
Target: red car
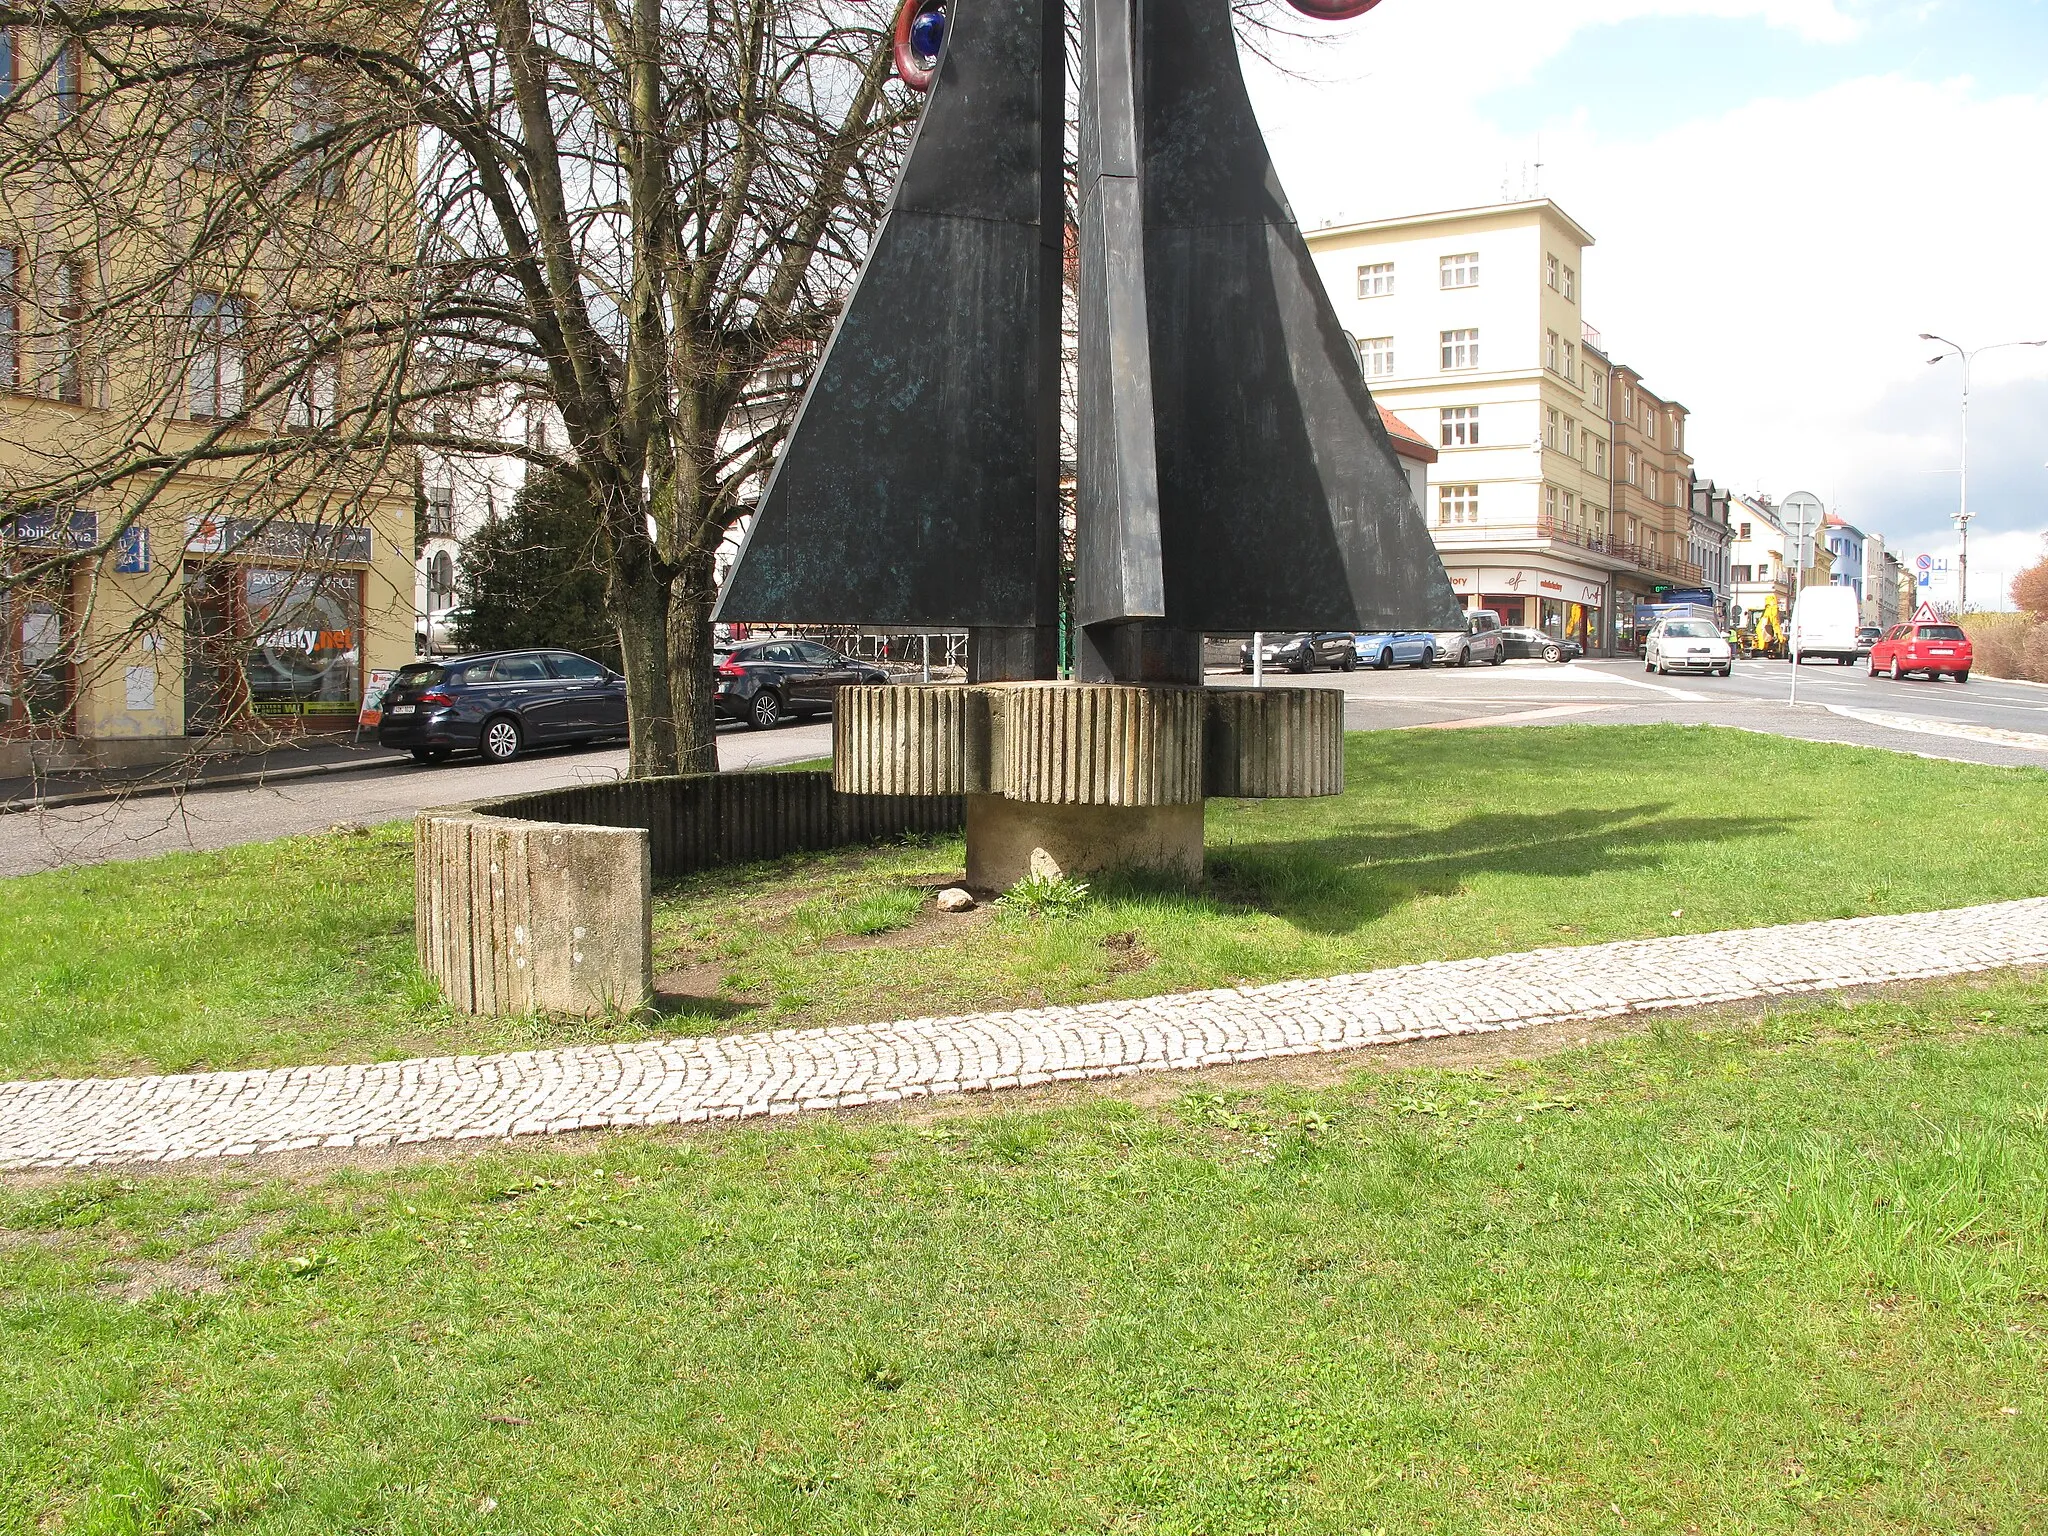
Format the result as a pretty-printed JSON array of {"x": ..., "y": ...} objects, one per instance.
[{"x": 1929, "y": 648}]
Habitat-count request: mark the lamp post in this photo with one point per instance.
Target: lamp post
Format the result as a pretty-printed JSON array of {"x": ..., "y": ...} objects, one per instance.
[{"x": 1962, "y": 515}]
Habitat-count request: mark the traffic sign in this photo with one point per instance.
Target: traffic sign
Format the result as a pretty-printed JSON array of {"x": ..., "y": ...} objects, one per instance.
[
  {"x": 1925, "y": 614},
  {"x": 1924, "y": 562}
]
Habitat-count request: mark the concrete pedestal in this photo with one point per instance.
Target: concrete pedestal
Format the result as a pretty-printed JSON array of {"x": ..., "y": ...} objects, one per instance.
[{"x": 1007, "y": 839}]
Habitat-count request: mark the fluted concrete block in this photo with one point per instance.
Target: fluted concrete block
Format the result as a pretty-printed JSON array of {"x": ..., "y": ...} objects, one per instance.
[
  {"x": 911, "y": 739},
  {"x": 1096, "y": 743},
  {"x": 1274, "y": 743}
]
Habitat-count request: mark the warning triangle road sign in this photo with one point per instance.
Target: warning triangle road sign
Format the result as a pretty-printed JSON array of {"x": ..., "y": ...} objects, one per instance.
[{"x": 1925, "y": 614}]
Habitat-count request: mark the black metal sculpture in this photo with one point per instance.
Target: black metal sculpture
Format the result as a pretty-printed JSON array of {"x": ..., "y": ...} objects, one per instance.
[{"x": 1232, "y": 470}]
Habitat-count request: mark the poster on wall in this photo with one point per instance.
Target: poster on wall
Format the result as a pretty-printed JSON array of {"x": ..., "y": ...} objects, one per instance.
[{"x": 373, "y": 699}]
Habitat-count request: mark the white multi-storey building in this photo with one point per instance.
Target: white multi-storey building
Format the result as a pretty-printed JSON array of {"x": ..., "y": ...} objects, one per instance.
[{"x": 1468, "y": 325}]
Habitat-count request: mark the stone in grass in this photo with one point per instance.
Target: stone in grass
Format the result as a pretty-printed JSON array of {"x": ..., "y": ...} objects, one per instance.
[{"x": 955, "y": 899}]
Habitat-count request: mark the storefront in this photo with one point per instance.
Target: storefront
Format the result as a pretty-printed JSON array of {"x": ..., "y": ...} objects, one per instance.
[
  {"x": 274, "y": 622},
  {"x": 38, "y": 625},
  {"x": 1563, "y": 600},
  {"x": 1628, "y": 592}
]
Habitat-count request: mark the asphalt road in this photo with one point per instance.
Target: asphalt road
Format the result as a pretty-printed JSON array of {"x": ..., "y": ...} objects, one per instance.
[
  {"x": 1983, "y": 721},
  {"x": 220, "y": 818}
]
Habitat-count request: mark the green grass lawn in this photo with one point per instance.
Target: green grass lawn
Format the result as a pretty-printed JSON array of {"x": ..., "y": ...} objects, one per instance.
[
  {"x": 1445, "y": 844},
  {"x": 1778, "y": 1273}
]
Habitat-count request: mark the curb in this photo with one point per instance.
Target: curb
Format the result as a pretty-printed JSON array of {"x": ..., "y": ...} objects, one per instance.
[{"x": 188, "y": 786}]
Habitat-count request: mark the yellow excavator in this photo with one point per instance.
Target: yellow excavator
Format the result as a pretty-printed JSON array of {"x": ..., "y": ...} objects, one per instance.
[{"x": 1766, "y": 633}]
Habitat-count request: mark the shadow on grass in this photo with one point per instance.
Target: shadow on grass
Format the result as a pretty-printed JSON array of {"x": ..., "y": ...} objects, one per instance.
[{"x": 1331, "y": 884}]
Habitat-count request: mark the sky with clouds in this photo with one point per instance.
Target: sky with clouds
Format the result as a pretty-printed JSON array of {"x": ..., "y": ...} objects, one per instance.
[{"x": 1785, "y": 193}]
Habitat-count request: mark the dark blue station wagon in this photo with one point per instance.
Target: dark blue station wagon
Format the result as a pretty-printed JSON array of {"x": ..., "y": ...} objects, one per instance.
[{"x": 500, "y": 703}]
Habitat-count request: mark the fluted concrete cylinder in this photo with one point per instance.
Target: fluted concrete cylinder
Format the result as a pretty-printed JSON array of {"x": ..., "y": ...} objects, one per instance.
[
  {"x": 1274, "y": 743},
  {"x": 910, "y": 739},
  {"x": 1097, "y": 744}
]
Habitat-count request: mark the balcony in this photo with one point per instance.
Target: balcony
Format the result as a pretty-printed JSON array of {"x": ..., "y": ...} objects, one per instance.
[{"x": 1611, "y": 552}]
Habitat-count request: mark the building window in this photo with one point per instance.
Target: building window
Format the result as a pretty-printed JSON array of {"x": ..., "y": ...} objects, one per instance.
[
  {"x": 10, "y": 314},
  {"x": 1376, "y": 356},
  {"x": 1549, "y": 429},
  {"x": 1568, "y": 440},
  {"x": 309, "y": 403},
  {"x": 1376, "y": 280},
  {"x": 67, "y": 80},
  {"x": 223, "y": 115},
  {"x": 1550, "y": 504},
  {"x": 440, "y": 511},
  {"x": 1461, "y": 426},
  {"x": 440, "y": 581},
  {"x": 1571, "y": 286},
  {"x": 1551, "y": 268},
  {"x": 1565, "y": 500},
  {"x": 7, "y": 76},
  {"x": 220, "y": 340},
  {"x": 1461, "y": 349},
  {"x": 1628, "y": 404},
  {"x": 1460, "y": 271},
  {"x": 1743, "y": 531},
  {"x": 1634, "y": 467},
  {"x": 1550, "y": 350},
  {"x": 1650, "y": 481},
  {"x": 69, "y": 372},
  {"x": 1571, "y": 363},
  {"x": 1456, "y": 504},
  {"x": 1599, "y": 390},
  {"x": 1677, "y": 432},
  {"x": 315, "y": 117},
  {"x": 1600, "y": 457},
  {"x": 1649, "y": 426}
]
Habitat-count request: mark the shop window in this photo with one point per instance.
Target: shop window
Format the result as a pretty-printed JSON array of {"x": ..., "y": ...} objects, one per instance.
[
  {"x": 279, "y": 644},
  {"x": 37, "y": 675}
]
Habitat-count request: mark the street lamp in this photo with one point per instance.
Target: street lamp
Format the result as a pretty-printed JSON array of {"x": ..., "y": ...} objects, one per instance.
[{"x": 1962, "y": 516}]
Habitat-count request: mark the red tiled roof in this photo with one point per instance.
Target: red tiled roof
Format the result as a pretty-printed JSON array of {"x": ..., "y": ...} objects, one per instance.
[{"x": 1408, "y": 442}]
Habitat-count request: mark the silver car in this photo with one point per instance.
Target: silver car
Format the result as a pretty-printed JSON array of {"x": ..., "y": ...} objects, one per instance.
[{"x": 1479, "y": 640}]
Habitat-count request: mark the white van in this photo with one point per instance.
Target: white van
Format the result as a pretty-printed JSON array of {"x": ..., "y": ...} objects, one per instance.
[{"x": 1824, "y": 624}]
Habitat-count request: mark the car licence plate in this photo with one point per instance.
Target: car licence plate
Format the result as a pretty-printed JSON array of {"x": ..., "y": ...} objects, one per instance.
[
  {"x": 401, "y": 709},
  {"x": 1941, "y": 651}
]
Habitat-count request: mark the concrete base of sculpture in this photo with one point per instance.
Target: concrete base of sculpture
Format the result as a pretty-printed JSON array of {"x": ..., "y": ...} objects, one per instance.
[
  {"x": 1008, "y": 840},
  {"x": 1093, "y": 775}
]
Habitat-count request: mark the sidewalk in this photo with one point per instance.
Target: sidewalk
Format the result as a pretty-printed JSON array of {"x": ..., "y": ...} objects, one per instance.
[
  {"x": 70, "y": 1123},
  {"x": 290, "y": 760}
]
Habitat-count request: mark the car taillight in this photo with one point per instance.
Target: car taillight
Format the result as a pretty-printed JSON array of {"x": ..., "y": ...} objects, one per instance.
[
  {"x": 436, "y": 696},
  {"x": 731, "y": 669}
]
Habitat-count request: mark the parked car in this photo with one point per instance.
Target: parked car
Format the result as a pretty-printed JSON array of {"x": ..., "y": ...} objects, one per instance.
[
  {"x": 1517, "y": 643},
  {"x": 1383, "y": 650},
  {"x": 1302, "y": 652},
  {"x": 433, "y": 634},
  {"x": 1824, "y": 624},
  {"x": 765, "y": 682},
  {"x": 1930, "y": 649},
  {"x": 1479, "y": 640},
  {"x": 1688, "y": 645},
  {"x": 1866, "y": 637},
  {"x": 500, "y": 703}
]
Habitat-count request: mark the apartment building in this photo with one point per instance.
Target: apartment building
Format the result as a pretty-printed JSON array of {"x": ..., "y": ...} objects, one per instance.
[
  {"x": 1652, "y": 497},
  {"x": 1846, "y": 542},
  {"x": 1710, "y": 537},
  {"x": 170, "y": 575},
  {"x": 1468, "y": 324},
  {"x": 1760, "y": 560}
]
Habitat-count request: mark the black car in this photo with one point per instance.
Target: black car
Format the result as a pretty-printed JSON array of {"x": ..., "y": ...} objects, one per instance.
[
  {"x": 764, "y": 682},
  {"x": 1535, "y": 643},
  {"x": 500, "y": 703},
  {"x": 1303, "y": 652}
]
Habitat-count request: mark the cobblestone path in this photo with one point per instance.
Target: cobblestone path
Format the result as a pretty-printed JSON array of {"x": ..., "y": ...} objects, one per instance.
[{"x": 82, "y": 1121}]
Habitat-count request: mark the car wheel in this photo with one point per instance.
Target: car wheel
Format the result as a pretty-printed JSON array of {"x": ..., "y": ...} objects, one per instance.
[
  {"x": 1350, "y": 661},
  {"x": 1552, "y": 653},
  {"x": 1963, "y": 676},
  {"x": 1428, "y": 659},
  {"x": 1384, "y": 660},
  {"x": 1465, "y": 657},
  {"x": 765, "y": 712},
  {"x": 1499, "y": 654},
  {"x": 1873, "y": 666},
  {"x": 1896, "y": 673},
  {"x": 1728, "y": 671},
  {"x": 429, "y": 754},
  {"x": 501, "y": 739}
]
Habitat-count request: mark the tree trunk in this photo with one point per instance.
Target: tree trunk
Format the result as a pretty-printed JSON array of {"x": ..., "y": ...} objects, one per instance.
[
  {"x": 639, "y": 603},
  {"x": 690, "y": 597}
]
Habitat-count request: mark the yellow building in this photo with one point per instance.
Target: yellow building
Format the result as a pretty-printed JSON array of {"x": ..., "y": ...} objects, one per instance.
[{"x": 201, "y": 534}]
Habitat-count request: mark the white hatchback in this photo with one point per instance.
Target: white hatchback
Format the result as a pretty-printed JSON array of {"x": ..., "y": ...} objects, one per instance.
[{"x": 1687, "y": 645}]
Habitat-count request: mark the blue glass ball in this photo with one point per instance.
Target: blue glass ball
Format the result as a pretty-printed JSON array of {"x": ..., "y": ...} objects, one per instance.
[{"x": 928, "y": 33}]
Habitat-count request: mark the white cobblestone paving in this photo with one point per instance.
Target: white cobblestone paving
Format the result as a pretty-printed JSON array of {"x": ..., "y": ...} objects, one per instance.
[{"x": 68, "y": 1123}]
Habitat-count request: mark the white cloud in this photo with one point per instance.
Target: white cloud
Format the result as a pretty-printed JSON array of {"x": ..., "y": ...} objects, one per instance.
[{"x": 1769, "y": 263}]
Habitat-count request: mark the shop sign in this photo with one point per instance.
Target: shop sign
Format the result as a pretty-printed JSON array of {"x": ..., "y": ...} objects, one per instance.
[
  {"x": 278, "y": 539},
  {"x": 131, "y": 551},
  {"x": 52, "y": 529},
  {"x": 1555, "y": 585}
]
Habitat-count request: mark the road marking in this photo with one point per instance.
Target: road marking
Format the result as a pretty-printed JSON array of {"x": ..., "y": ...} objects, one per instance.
[
  {"x": 1515, "y": 717},
  {"x": 2026, "y": 740},
  {"x": 1686, "y": 694}
]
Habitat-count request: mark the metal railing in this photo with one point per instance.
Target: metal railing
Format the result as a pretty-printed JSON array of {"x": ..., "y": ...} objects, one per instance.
[{"x": 1641, "y": 556}]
